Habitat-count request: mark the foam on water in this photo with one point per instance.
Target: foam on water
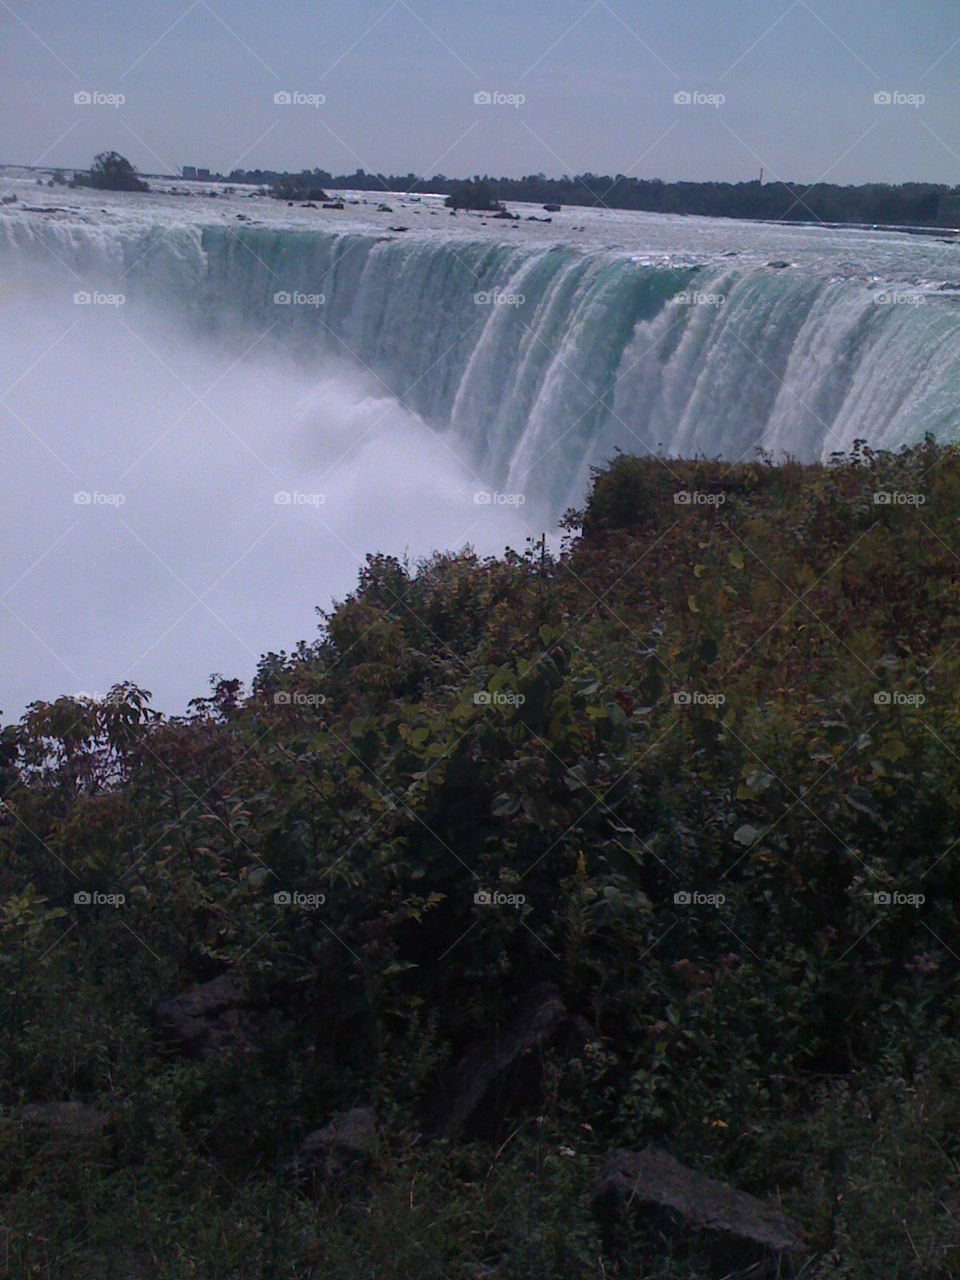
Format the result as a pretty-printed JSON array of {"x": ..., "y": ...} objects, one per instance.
[{"x": 585, "y": 346}]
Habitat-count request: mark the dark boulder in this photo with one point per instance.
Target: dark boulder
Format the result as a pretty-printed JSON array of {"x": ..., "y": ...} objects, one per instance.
[
  {"x": 340, "y": 1153},
  {"x": 63, "y": 1119},
  {"x": 505, "y": 1072},
  {"x": 651, "y": 1194},
  {"x": 210, "y": 1018}
]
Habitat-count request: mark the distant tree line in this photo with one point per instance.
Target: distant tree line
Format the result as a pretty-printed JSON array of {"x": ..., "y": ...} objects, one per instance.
[{"x": 912, "y": 203}]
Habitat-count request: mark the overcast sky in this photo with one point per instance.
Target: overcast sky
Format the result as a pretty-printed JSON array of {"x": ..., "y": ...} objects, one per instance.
[{"x": 585, "y": 85}]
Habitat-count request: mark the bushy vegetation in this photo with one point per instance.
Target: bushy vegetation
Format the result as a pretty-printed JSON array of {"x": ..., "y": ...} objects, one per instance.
[
  {"x": 473, "y": 195},
  {"x": 709, "y": 755},
  {"x": 110, "y": 171}
]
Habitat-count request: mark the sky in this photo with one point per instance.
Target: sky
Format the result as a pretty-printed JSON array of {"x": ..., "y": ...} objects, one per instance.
[{"x": 569, "y": 87}]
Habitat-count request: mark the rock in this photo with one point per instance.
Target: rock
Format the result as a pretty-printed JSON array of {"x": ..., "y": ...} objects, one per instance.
[
  {"x": 64, "y": 1119},
  {"x": 653, "y": 1192},
  {"x": 384, "y": 208},
  {"x": 343, "y": 1148},
  {"x": 334, "y": 204},
  {"x": 351, "y": 1132},
  {"x": 212, "y": 1017},
  {"x": 551, "y": 208},
  {"x": 488, "y": 1067},
  {"x": 398, "y": 228}
]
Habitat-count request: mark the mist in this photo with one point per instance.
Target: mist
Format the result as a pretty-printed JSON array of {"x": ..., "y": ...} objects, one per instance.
[{"x": 188, "y": 559}]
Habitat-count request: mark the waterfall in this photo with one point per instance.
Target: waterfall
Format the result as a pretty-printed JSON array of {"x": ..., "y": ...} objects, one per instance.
[{"x": 538, "y": 362}]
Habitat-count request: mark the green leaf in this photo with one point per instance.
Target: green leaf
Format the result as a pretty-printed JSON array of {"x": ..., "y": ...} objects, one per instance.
[
  {"x": 892, "y": 749},
  {"x": 499, "y": 679},
  {"x": 747, "y": 834},
  {"x": 537, "y": 812},
  {"x": 586, "y": 686},
  {"x": 505, "y": 806}
]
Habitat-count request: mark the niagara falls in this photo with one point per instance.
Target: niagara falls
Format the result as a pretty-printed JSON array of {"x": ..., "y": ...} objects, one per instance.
[
  {"x": 479, "y": 640},
  {"x": 204, "y": 349}
]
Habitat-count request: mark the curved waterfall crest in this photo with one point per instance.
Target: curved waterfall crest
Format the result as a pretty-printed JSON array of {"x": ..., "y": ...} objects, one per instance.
[{"x": 540, "y": 361}]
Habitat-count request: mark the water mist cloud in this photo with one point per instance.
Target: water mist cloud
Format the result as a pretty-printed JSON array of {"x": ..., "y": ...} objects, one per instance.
[{"x": 142, "y": 537}]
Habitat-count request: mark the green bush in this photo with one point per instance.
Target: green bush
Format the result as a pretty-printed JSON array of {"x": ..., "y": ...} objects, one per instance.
[{"x": 747, "y": 698}]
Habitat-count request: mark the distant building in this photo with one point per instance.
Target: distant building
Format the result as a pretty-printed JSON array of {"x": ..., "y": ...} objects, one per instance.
[
  {"x": 203, "y": 175},
  {"x": 948, "y": 211},
  {"x": 190, "y": 172}
]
